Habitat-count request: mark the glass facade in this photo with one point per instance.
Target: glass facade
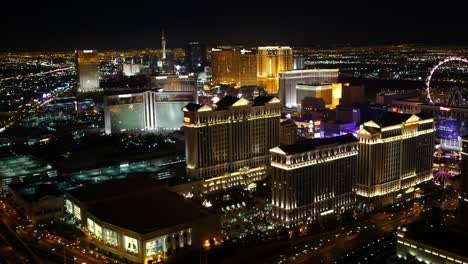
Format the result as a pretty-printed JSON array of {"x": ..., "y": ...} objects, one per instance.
[
  {"x": 127, "y": 117},
  {"x": 169, "y": 115},
  {"x": 154, "y": 247}
]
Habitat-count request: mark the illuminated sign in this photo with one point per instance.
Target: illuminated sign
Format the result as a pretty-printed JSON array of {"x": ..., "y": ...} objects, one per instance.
[
  {"x": 272, "y": 52},
  {"x": 187, "y": 120},
  {"x": 446, "y": 109},
  {"x": 317, "y": 123}
]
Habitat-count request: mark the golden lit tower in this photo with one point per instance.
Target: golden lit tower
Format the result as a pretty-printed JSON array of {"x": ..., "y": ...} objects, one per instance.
[
  {"x": 87, "y": 66},
  {"x": 270, "y": 62},
  {"x": 234, "y": 66}
]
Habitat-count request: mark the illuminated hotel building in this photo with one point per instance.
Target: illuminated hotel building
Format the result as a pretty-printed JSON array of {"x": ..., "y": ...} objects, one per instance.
[
  {"x": 87, "y": 66},
  {"x": 231, "y": 138},
  {"x": 270, "y": 62},
  {"x": 288, "y": 81},
  {"x": 313, "y": 178},
  {"x": 131, "y": 69},
  {"x": 329, "y": 92},
  {"x": 139, "y": 221},
  {"x": 408, "y": 247},
  {"x": 174, "y": 83},
  {"x": 234, "y": 66},
  {"x": 395, "y": 154},
  {"x": 147, "y": 111}
]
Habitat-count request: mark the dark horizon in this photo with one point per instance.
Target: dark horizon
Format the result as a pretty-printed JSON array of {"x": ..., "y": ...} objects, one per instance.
[{"x": 107, "y": 27}]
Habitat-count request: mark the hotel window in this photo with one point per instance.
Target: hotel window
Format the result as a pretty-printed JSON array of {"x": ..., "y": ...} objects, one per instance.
[
  {"x": 154, "y": 247},
  {"x": 90, "y": 225},
  {"x": 131, "y": 244},
  {"x": 110, "y": 237},
  {"x": 68, "y": 206},
  {"x": 77, "y": 211},
  {"x": 98, "y": 230}
]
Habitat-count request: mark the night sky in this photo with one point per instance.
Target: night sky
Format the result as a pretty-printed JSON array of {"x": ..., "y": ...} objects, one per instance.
[{"x": 137, "y": 24}]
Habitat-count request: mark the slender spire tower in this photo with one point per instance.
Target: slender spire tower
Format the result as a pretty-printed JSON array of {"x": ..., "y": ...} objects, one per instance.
[{"x": 163, "y": 42}]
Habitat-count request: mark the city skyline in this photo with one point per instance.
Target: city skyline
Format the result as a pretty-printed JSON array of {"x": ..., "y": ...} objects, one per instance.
[{"x": 225, "y": 132}]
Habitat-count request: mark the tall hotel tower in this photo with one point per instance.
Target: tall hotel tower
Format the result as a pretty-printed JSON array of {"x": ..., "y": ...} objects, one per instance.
[
  {"x": 87, "y": 66},
  {"x": 313, "y": 178},
  {"x": 270, "y": 62},
  {"x": 235, "y": 66},
  {"x": 229, "y": 141},
  {"x": 395, "y": 154}
]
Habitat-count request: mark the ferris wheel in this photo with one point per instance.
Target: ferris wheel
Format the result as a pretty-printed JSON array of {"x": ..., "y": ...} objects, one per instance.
[{"x": 429, "y": 78}]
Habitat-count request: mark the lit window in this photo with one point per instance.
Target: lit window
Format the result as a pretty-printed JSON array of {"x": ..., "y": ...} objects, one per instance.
[
  {"x": 77, "y": 211},
  {"x": 131, "y": 244},
  {"x": 98, "y": 231},
  {"x": 154, "y": 247},
  {"x": 110, "y": 237},
  {"x": 90, "y": 225},
  {"x": 68, "y": 206}
]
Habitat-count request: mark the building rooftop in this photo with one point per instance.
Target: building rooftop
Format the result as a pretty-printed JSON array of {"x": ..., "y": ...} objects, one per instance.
[
  {"x": 226, "y": 102},
  {"x": 262, "y": 100},
  {"x": 139, "y": 205},
  {"x": 113, "y": 188},
  {"x": 115, "y": 171},
  {"x": 229, "y": 101},
  {"x": 147, "y": 212},
  {"x": 393, "y": 118},
  {"x": 34, "y": 192},
  {"x": 445, "y": 237},
  {"x": 288, "y": 121},
  {"x": 192, "y": 107},
  {"x": 22, "y": 165},
  {"x": 317, "y": 143}
]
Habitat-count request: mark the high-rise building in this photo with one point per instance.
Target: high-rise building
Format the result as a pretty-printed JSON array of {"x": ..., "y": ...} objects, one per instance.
[
  {"x": 174, "y": 83},
  {"x": 313, "y": 178},
  {"x": 298, "y": 63},
  {"x": 130, "y": 69},
  {"x": 270, "y": 62},
  {"x": 87, "y": 66},
  {"x": 248, "y": 68},
  {"x": 331, "y": 93},
  {"x": 164, "y": 65},
  {"x": 352, "y": 95},
  {"x": 232, "y": 137},
  {"x": 288, "y": 132},
  {"x": 395, "y": 154},
  {"x": 195, "y": 57},
  {"x": 147, "y": 111},
  {"x": 463, "y": 193},
  {"x": 288, "y": 81},
  {"x": 234, "y": 66}
]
